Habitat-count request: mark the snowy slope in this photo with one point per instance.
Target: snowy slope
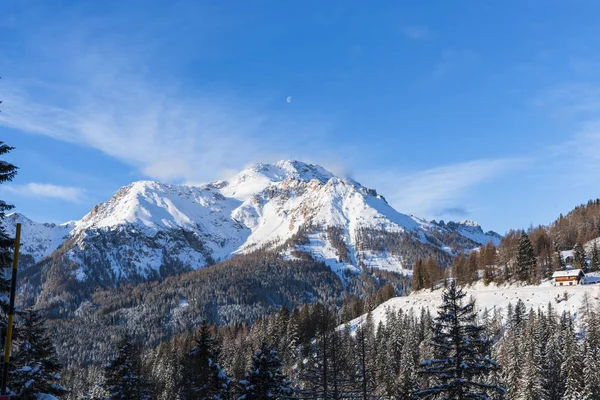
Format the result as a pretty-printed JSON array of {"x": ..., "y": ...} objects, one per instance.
[
  {"x": 473, "y": 231},
  {"x": 38, "y": 239},
  {"x": 148, "y": 228},
  {"x": 492, "y": 296}
]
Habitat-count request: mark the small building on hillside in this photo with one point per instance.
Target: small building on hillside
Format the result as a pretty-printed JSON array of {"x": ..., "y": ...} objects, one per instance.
[
  {"x": 567, "y": 258},
  {"x": 569, "y": 277}
]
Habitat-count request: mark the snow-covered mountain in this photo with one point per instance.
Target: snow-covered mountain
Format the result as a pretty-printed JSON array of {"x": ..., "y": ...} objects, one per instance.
[
  {"x": 149, "y": 229},
  {"x": 473, "y": 231},
  {"x": 38, "y": 239}
]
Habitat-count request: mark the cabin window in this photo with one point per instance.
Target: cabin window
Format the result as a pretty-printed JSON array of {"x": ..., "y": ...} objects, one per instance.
[
  {"x": 570, "y": 283},
  {"x": 561, "y": 284}
]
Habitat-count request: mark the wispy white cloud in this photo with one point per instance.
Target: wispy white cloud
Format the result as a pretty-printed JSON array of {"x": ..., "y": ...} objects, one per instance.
[
  {"x": 416, "y": 32},
  {"x": 437, "y": 191},
  {"x": 164, "y": 136},
  {"x": 46, "y": 190},
  {"x": 577, "y": 104},
  {"x": 105, "y": 98}
]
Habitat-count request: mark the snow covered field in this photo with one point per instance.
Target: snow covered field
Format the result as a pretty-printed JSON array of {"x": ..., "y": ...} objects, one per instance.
[{"x": 562, "y": 298}]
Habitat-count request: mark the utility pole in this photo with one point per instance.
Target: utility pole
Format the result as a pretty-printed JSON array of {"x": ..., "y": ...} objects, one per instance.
[{"x": 11, "y": 314}]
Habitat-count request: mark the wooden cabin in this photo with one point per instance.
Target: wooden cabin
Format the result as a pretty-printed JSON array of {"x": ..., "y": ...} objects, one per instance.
[{"x": 569, "y": 277}]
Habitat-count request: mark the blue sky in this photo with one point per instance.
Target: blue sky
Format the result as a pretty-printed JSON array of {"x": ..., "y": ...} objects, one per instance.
[{"x": 477, "y": 110}]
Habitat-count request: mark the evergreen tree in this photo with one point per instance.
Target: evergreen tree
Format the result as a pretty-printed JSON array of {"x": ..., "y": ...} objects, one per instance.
[
  {"x": 526, "y": 263},
  {"x": 406, "y": 384},
  {"x": 595, "y": 258},
  {"x": 530, "y": 384},
  {"x": 579, "y": 257},
  {"x": 591, "y": 372},
  {"x": 365, "y": 358},
  {"x": 419, "y": 280},
  {"x": 323, "y": 377},
  {"x": 202, "y": 376},
  {"x": 462, "y": 354},
  {"x": 124, "y": 380},
  {"x": 558, "y": 262},
  {"x": 36, "y": 365},
  {"x": 265, "y": 379},
  {"x": 7, "y": 174},
  {"x": 572, "y": 366}
]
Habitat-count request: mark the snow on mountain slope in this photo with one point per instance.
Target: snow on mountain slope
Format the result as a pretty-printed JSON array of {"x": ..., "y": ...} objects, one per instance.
[
  {"x": 153, "y": 207},
  {"x": 38, "y": 239},
  {"x": 148, "y": 228},
  {"x": 493, "y": 296},
  {"x": 473, "y": 231}
]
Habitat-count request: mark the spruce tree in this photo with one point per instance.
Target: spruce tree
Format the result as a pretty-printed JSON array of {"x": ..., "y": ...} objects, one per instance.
[
  {"x": 36, "y": 365},
  {"x": 531, "y": 380},
  {"x": 202, "y": 376},
  {"x": 572, "y": 365},
  {"x": 365, "y": 358},
  {"x": 265, "y": 379},
  {"x": 406, "y": 383},
  {"x": 579, "y": 257},
  {"x": 595, "y": 258},
  {"x": 7, "y": 173},
  {"x": 462, "y": 359},
  {"x": 525, "y": 259},
  {"x": 124, "y": 380},
  {"x": 317, "y": 373}
]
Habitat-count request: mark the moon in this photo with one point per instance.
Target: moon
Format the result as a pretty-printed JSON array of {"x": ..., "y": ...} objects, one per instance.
[{"x": 289, "y": 99}]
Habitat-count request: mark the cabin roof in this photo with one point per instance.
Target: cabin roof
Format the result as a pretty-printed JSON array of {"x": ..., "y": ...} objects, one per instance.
[{"x": 568, "y": 273}]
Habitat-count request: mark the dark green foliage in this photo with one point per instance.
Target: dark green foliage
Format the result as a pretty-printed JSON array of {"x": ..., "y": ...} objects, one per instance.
[
  {"x": 265, "y": 379},
  {"x": 579, "y": 257},
  {"x": 36, "y": 367},
  {"x": 201, "y": 375},
  {"x": 124, "y": 379},
  {"x": 461, "y": 361},
  {"x": 7, "y": 173},
  {"x": 595, "y": 258},
  {"x": 526, "y": 262}
]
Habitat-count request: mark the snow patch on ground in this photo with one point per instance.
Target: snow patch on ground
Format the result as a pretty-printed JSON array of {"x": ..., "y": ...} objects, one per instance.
[{"x": 562, "y": 298}]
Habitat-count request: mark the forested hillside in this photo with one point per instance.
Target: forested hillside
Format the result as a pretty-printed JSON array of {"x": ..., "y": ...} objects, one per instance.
[
  {"x": 527, "y": 354},
  {"x": 528, "y": 256}
]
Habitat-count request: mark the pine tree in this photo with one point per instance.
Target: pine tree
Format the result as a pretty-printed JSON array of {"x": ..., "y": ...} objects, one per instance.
[
  {"x": 318, "y": 371},
  {"x": 595, "y": 258},
  {"x": 558, "y": 262},
  {"x": 579, "y": 257},
  {"x": 406, "y": 383},
  {"x": 124, "y": 380},
  {"x": 36, "y": 365},
  {"x": 365, "y": 358},
  {"x": 531, "y": 379},
  {"x": 418, "y": 275},
  {"x": 7, "y": 174},
  {"x": 552, "y": 360},
  {"x": 572, "y": 366},
  {"x": 462, "y": 354},
  {"x": 526, "y": 263},
  {"x": 591, "y": 372},
  {"x": 202, "y": 376},
  {"x": 265, "y": 379}
]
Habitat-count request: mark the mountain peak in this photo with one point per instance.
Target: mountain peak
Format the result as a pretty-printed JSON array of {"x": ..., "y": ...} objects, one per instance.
[
  {"x": 469, "y": 223},
  {"x": 257, "y": 177}
]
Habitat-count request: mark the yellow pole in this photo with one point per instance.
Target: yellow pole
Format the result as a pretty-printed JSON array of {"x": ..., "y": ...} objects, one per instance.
[{"x": 11, "y": 310}]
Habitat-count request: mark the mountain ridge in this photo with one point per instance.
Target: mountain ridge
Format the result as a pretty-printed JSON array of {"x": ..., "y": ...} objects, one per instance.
[{"x": 150, "y": 229}]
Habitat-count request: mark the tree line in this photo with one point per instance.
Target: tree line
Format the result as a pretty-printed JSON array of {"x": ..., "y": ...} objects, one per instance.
[{"x": 521, "y": 256}]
